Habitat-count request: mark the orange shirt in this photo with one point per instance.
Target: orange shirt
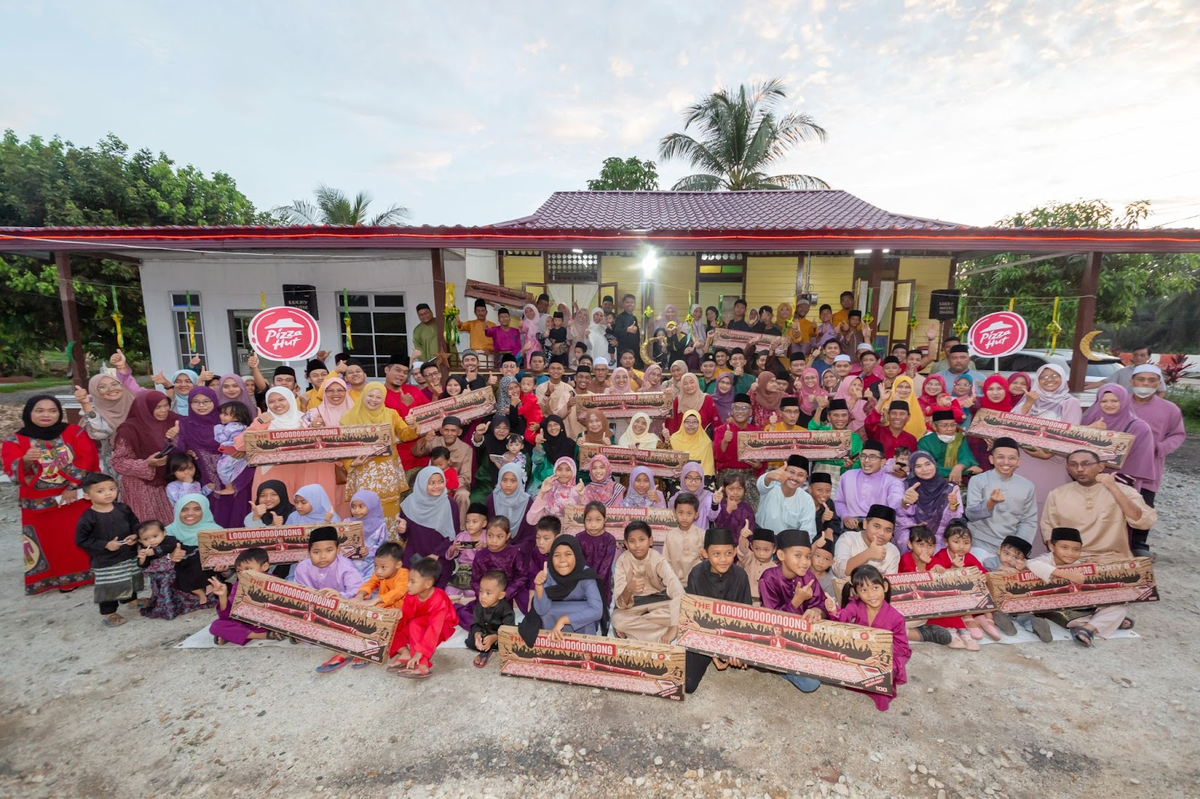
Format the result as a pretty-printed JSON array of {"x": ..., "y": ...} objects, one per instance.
[{"x": 391, "y": 591}]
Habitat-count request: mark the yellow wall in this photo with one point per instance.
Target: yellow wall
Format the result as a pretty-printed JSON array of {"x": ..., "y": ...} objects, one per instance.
[
  {"x": 831, "y": 275},
  {"x": 673, "y": 281},
  {"x": 626, "y": 272},
  {"x": 520, "y": 269},
  {"x": 930, "y": 274},
  {"x": 770, "y": 280}
]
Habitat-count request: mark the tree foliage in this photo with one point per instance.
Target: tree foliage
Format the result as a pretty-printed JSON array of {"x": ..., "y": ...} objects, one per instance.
[
  {"x": 54, "y": 183},
  {"x": 1126, "y": 279},
  {"x": 334, "y": 207},
  {"x": 742, "y": 134},
  {"x": 625, "y": 174}
]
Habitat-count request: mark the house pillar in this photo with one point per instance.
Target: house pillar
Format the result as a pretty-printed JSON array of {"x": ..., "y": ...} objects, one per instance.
[
  {"x": 1085, "y": 319},
  {"x": 70, "y": 311}
]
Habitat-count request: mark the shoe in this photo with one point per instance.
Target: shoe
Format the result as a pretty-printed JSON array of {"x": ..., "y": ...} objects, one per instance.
[
  {"x": 969, "y": 642},
  {"x": 988, "y": 627},
  {"x": 1041, "y": 628},
  {"x": 1004, "y": 622},
  {"x": 975, "y": 633},
  {"x": 955, "y": 641},
  {"x": 934, "y": 635}
]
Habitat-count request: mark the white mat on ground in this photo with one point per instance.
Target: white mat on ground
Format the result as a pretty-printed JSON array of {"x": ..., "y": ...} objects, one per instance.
[{"x": 1024, "y": 636}]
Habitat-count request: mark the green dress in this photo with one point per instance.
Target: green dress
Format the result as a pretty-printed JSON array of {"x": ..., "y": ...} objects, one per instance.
[{"x": 933, "y": 445}]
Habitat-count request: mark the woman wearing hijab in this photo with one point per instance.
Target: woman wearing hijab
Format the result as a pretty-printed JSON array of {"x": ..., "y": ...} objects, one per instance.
[
  {"x": 929, "y": 499},
  {"x": 595, "y": 429},
  {"x": 697, "y": 337},
  {"x": 430, "y": 519},
  {"x": 283, "y": 414},
  {"x": 1048, "y": 399},
  {"x": 233, "y": 389},
  {"x": 723, "y": 397},
  {"x": 652, "y": 379},
  {"x": 196, "y": 436},
  {"x": 554, "y": 443},
  {"x": 560, "y": 489},
  {"x": 382, "y": 474},
  {"x": 491, "y": 438},
  {"x": 639, "y": 434},
  {"x": 566, "y": 595},
  {"x": 105, "y": 406},
  {"x": 597, "y": 338},
  {"x": 851, "y": 390},
  {"x": 602, "y": 488},
  {"x": 935, "y": 397},
  {"x": 182, "y": 383},
  {"x": 642, "y": 492},
  {"x": 272, "y": 505},
  {"x": 508, "y": 499},
  {"x": 48, "y": 458},
  {"x": 689, "y": 397},
  {"x": 1114, "y": 411},
  {"x": 150, "y": 429},
  {"x": 995, "y": 397},
  {"x": 692, "y": 439},
  {"x": 334, "y": 403},
  {"x": 171, "y": 582},
  {"x": 768, "y": 393},
  {"x": 904, "y": 390},
  {"x": 812, "y": 397}
]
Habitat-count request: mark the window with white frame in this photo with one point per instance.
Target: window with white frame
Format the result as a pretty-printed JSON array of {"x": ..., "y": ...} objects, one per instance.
[
  {"x": 183, "y": 305},
  {"x": 378, "y": 328}
]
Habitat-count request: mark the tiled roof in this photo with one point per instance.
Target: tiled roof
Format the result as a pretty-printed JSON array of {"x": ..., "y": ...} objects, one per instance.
[{"x": 820, "y": 209}]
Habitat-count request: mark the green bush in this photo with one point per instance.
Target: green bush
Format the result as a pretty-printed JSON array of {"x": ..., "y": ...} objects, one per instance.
[{"x": 1188, "y": 400}]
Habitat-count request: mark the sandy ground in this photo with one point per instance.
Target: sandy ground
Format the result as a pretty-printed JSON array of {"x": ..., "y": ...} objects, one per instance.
[{"x": 87, "y": 711}]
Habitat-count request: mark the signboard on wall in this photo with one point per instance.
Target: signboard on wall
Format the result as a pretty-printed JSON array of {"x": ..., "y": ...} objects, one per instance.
[{"x": 943, "y": 304}]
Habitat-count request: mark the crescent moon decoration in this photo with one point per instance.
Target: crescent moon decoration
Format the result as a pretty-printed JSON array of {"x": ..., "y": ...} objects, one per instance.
[{"x": 1085, "y": 346}]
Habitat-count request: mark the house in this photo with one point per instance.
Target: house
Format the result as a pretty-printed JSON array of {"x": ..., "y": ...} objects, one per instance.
[{"x": 767, "y": 246}]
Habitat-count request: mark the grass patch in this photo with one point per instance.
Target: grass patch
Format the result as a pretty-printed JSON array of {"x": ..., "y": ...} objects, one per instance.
[
  {"x": 1188, "y": 400},
  {"x": 37, "y": 382}
]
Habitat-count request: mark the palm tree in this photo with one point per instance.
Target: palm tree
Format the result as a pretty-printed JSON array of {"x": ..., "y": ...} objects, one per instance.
[
  {"x": 335, "y": 208},
  {"x": 742, "y": 135}
]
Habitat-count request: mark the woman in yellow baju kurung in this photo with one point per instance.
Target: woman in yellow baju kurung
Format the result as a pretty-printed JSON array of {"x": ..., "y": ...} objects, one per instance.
[{"x": 383, "y": 474}]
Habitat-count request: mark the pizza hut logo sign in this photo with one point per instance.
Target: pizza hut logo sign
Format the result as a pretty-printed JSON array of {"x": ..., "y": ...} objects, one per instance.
[
  {"x": 284, "y": 334},
  {"x": 997, "y": 334}
]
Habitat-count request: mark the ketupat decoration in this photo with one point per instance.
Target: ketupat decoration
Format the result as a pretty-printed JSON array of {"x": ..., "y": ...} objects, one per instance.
[
  {"x": 116, "y": 317},
  {"x": 346, "y": 320},
  {"x": 1054, "y": 328},
  {"x": 450, "y": 318},
  {"x": 190, "y": 319}
]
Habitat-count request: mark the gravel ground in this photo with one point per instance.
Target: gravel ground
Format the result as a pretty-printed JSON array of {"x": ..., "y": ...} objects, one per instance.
[{"x": 87, "y": 711}]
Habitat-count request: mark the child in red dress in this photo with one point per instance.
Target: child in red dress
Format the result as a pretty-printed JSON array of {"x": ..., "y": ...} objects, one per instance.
[
  {"x": 428, "y": 620},
  {"x": 957, "y": 555},
  {"x": 921, "y": 545}
]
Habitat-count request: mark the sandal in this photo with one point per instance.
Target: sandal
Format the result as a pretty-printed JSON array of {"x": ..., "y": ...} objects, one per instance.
[
  {"x": 481, "y": 659},
  {"x": 113, "y": 620},
  {"x": 359, "y": 663},
  {"x": 274, "y": 636},
  {"x": 333, "y": 664},
  {"x": 1083, "y": 636},
  {"x": 1126, "y": 624},
  {"x": 399, "y": 667},
  {"x": 419, "y": 673}
]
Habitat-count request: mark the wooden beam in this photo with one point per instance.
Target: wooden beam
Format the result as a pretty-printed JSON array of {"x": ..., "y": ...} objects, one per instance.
[
  {"x": 439, "y": 309},
  {"x": 874, "y": 282},
  {"x": 66, "y": 295},
  {"x": 1085, "y": 318}
]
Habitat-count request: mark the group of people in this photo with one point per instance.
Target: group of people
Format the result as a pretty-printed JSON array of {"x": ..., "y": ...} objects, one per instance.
[{"x": 465, "y": 526}]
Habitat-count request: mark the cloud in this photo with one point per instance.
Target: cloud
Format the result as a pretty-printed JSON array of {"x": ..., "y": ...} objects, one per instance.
[
  {"x": 620, "y": 67},
  {"x": 536, "y": 47},
  {"x": 421, "y": 164},
  {"x": 682, "y": 58}
]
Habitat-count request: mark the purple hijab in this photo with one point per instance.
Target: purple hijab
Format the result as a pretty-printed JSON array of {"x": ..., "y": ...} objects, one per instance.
[
  {"x": 933, "y": 495},
  {"x": 723, "y": 399},
  {"x": 246, "y": 398},
  {"x": 197, "y": 430},
  {"x": 1139, "y": 463}
]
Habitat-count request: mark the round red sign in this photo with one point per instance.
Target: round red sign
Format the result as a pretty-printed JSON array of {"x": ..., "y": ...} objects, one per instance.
[
  {"x": 284, "y": 334},
  {"x": 997, "y": 334}
]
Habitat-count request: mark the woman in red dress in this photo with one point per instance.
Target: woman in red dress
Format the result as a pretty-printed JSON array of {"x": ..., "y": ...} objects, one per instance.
[{"x": 47, "y": 459}]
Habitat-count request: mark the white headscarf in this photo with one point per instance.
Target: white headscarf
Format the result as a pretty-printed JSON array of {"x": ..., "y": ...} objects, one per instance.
[
  {"x": 632, "y": 440},
  {"x": 427, "y": 511},
  {"x": 293, "y": 419},
  {"x": 597, "y": 340},
  {"x": 1049, "y": 405}
]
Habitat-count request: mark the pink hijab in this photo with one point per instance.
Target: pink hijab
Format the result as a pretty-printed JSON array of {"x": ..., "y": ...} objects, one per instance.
[{"x": 808, "y": 396}]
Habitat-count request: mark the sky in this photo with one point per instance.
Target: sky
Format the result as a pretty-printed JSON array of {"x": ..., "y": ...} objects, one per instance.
[{"x": 474, "y": 112}]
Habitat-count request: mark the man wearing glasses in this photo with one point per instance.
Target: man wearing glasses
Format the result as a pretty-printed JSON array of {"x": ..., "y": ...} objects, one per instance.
[
  {"x": 865, "y": 486},
  {"x": 1098, "y": 506}
]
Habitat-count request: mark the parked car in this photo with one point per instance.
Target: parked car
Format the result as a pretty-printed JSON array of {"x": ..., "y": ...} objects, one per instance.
[{"x": 1029, "y": 361}]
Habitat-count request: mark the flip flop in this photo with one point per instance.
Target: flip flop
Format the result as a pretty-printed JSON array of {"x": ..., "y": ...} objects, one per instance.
[
  {"x": 113, "y": 621},
  {"x": 1083, "y": 636},
  {"x": 330, "y": 666},
  {"x": 274, "y": 636},
  {"x": 481, "y": 660},
  {"x": 1126, "y": 624},
  {"x": 359, "y": 664},
  {"x": 399, "y": 667},
  {"x": 417, "y": 674}
]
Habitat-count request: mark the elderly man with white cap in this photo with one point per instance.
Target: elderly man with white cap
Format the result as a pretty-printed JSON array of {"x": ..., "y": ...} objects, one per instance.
[{"x": 1166, "y": 422}]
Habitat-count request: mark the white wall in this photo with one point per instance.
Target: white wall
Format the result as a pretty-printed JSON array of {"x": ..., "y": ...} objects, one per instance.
[{"x": 234, "y": 282}]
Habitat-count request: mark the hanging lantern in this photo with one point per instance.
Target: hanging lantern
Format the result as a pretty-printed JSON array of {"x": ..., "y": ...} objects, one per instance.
[
  {"x": 450, "y": 318},
  {"x": 116, "y": 317},
  {"x": 190, "y": 319},
  {"x": 1054, "y": 328},
  {"x": 346, "y": 320}
]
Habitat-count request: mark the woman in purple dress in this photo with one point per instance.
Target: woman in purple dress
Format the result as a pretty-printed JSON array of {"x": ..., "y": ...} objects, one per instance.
[
  {"x": 431, "y": 520},
  {"x": 196, "y": 437}
]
